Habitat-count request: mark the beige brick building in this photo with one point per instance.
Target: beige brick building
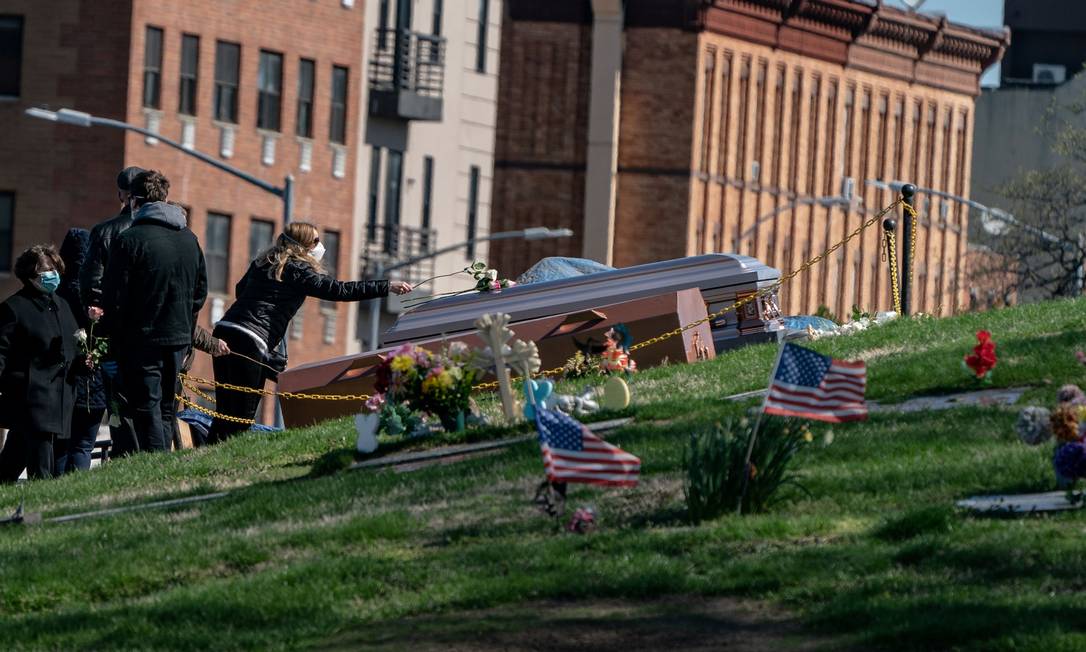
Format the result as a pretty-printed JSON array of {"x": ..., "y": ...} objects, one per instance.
[{"x": 665, "y": 129}]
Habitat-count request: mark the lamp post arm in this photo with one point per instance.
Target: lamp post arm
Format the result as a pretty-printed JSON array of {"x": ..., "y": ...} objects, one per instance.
[
  {"x": 210, "y": 160},
  {"x": 504, "y": 235}
]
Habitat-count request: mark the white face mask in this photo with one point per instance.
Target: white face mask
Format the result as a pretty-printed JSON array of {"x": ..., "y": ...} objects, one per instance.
[{"x": 318, "y": 251}]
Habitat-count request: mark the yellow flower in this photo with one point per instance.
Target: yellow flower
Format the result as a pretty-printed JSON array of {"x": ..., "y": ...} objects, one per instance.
[
  {"x": 807, "y": 436},
  {"x": 445, "y": 379},
  {"x": 402, "y": 363}
]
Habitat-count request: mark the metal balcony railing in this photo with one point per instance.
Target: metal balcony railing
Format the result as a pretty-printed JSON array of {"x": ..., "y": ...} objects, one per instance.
[
  {"x": 390, "y": 245},
  {"x": 407, "y": 75}
]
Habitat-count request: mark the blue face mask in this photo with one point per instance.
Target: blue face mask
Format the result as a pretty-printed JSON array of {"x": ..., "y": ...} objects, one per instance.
[{"x": 49, "y": 281}]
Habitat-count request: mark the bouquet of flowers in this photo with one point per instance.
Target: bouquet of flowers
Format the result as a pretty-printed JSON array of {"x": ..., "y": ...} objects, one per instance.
[
  {"x": 93, "y": 349},
  {"x": 982, "y": 361},
  {"x": 486, "y": 280},
  {"x": 416, "y": 380},
  {"x": 1067, "y": 423}
]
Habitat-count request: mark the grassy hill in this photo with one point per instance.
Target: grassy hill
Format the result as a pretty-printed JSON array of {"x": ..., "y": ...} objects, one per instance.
[{"x": 874, "y": 557}]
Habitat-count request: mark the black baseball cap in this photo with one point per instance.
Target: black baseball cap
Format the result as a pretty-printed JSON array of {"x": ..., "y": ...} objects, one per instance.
[{"x": 127, "y": 176}]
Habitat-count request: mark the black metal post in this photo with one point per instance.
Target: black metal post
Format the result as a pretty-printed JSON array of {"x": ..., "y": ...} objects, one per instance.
[
  {"x": 908, "y": 191},
  {"x": 888, "y": 227}
]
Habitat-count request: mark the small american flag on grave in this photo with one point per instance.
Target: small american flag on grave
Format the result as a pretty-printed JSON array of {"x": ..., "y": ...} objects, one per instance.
[
  {"x": 810, "y": 385},
  {"x": 571, "y": 453}
]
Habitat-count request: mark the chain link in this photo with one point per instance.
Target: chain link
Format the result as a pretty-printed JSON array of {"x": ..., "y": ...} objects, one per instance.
[
  {"x": 914, "y": 217},
  {"x": 891, "y": 252},
  {"x": 269, "y": 392}
]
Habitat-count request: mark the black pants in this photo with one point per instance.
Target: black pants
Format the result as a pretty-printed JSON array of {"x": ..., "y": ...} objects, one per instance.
[
  {"x": 74, "y": 452},
  {"x": 149, "y": 374},
  {"x": 123, "y": 435},
  {"x": 32, "y": 451},
  {"x": 235, "y": 370}
]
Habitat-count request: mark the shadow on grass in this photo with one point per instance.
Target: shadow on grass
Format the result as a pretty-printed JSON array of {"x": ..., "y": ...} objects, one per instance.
[{"x": 668, "y": 623}]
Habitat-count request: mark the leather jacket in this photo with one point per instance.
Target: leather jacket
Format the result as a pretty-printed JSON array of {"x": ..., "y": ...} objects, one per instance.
[
  {"x": 266, "y": 305},
  {"x": 101, "y": 239}
]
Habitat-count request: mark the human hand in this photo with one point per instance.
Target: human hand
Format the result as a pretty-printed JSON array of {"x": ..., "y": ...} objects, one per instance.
[
  {"x": 95, "y": 313},
  {"x": 221, "y": 349},
  {"x": 399, "y": 287}
]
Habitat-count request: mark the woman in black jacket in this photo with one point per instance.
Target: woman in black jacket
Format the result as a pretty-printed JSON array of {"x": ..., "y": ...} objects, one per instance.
[
  {"x": 74, "y": 452},
  {"x": 268, "y": 296},
  {"x": 37, "y": 353}
]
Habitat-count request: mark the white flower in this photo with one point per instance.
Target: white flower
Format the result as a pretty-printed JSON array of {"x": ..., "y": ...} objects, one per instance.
[
  {"x": 492, "y": 274},
  {"x": 81, "y": 336}
]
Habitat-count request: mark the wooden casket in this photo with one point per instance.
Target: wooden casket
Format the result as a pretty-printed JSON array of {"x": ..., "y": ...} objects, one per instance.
[{"x": 722, "y": 279}]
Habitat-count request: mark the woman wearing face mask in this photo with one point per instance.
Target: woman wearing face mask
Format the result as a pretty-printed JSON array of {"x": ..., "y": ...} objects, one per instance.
[
  {"x": 268, "y": 296},
  {"x": 37, "y": 358}
]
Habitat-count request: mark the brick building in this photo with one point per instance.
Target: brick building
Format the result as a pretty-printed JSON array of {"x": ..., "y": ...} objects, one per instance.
[
  {"x": 272, "y": 87},
  {"x": 661, "y": 129}
]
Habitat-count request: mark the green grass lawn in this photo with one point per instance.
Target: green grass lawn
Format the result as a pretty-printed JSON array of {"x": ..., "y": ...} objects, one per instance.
[{"x": 876, "y": 556}]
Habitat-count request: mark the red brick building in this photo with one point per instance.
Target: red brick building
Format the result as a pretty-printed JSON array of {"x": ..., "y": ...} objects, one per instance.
[
  {"x": 667, "y": 128},
  {"x": 270, "y": 86}
]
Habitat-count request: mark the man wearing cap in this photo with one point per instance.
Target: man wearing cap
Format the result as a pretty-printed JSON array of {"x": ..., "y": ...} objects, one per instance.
[{"x": 102, "y": 236}]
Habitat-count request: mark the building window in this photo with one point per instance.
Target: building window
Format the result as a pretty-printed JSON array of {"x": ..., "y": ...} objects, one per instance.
[
  {"x": 11, "y": 55},
  {"x": 190, "y": 66},
  {"x": 261, "y": 233},
  {"x": 375, "y": 180},
  {"x": 393, "y": 182},
  {"x": 338, "y": 126},
  {"x": 436, "y": 29},
  {"x": 427, "y": 199},
  {"x": 270, "y": 95},
  {"x": 152, "y": 68},
  {"x": 217, "y": 252},
  {"x": 307, "y": 70},
  {"x": 7, "y": 222},
  {"x": 473, "y": 209},
  {"x": 480, "y": 39},
  {"x": 227, "y": 76}
]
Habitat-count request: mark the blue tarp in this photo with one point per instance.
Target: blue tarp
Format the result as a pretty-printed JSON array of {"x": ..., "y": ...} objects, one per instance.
[
  {"x": 801, "y": 322},
  {"x": 557, "y": 267}
]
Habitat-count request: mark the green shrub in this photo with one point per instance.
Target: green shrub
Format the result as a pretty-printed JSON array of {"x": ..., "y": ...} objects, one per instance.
[{"x": 714, "y": 466}]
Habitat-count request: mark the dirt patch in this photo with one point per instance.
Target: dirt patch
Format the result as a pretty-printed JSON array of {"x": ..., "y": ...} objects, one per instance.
[{"x": 669, "y": 623}]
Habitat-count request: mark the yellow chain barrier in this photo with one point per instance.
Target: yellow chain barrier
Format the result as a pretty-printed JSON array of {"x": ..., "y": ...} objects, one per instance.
[
  {"x": 776, "y": 285},
  {"x": 891, "y": 252}
]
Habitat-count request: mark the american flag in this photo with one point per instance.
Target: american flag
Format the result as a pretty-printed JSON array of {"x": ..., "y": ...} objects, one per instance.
[
  {"x": 810, "y": 385},
  {"x": 571, "y": 453}
]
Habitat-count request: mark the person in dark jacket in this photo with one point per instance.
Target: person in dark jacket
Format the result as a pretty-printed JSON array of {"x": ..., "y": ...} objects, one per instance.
[
  {"x": 268, "y": 296},
  {"x": 121, "y": 430},
  {"x": 37, "y": 357},
  {"x": 74, "y": 452},
  {"x": 155, "y": 284}
]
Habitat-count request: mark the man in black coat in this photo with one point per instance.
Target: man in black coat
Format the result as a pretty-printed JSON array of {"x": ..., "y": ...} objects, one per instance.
[
  {"x": 37, "y": 353},
  {"x": 102, "y": 235},
  {"x": 155, "y": 284}
]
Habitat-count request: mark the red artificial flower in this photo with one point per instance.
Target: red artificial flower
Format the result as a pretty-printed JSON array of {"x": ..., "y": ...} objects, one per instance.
[{"x": 983, "y": 359}]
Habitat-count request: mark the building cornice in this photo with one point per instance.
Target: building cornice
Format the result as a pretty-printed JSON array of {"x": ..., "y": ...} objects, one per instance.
[{"x": 863, "y": 35}]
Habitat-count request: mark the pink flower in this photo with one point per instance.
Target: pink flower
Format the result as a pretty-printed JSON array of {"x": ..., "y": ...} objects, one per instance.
[
  {"x": 375, "y": 402},
  {"x": 1081, "y": 356}
]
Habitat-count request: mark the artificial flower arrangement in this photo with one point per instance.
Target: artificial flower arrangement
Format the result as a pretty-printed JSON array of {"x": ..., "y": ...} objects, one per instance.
[
  {"x": 982, "y": 360},
  {"x": 616, "y": 357},
  {"x": 1067, "y": 424},
  {"x": 412, "y": 381}
]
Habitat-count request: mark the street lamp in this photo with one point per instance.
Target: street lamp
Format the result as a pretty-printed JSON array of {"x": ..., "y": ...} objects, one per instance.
[
  {"x": 285, "y": 193},
  {"x": 81, "y": 119},
  {"x": 531, "y": 233}
]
